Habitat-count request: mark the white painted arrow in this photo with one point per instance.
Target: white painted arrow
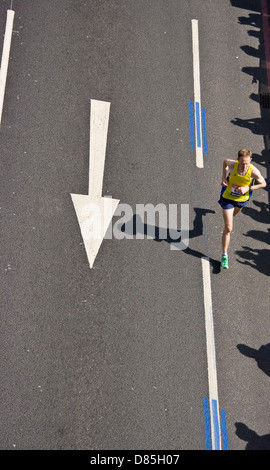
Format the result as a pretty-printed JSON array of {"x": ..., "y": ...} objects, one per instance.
[{"x": 94, "y": 212}]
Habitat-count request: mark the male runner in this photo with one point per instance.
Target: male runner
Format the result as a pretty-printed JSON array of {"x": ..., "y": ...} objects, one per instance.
[{"x": 236, "y": 192}]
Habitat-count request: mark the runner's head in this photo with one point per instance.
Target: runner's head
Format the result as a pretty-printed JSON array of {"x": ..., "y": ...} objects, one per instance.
[
  {"x": 244, "y": 153},
  {"x": 244, "y": 158}
]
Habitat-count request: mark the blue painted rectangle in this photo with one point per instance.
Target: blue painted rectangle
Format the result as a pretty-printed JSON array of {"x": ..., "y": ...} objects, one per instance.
[
  {"x": 198, "y": 124},
  {"x": 216, "y": 424},
  {"x": 191, "y": 125},
  {"x": 224, "y": 430},
  {"x": 204, "y": 132},
  {"x": 207, "y": 424}
]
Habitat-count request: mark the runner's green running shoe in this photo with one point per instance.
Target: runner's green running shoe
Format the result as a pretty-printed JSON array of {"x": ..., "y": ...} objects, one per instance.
[{"x": 224, "y": 262}]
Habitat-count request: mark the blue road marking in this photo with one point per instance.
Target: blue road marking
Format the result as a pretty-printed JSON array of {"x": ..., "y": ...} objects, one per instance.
[
  {"x": 216, "y": 430},
  {"x": 224, "y": 430},
  {"x": 216, "y": 424},
  {"x": 198, "y": 124},
  {"x": 191, "y": 125},
  {"x": 204, "y": 132},
  {"x": 207, "y": 424},
  {"x": 201, "y": 136}
]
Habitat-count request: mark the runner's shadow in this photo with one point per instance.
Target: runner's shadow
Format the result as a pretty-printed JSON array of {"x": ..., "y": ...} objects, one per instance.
[
  {"x": 254, "y": 441},
  {"x": 137, "y": 226},
  {"x": 172, "y": 236},
  {"x": 261, "y": 356}
]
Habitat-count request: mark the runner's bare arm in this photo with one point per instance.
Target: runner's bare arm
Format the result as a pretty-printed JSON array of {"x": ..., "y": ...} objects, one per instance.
[
  {"x": 227, "y": 165},
  {"x": 261, "y": 183}
]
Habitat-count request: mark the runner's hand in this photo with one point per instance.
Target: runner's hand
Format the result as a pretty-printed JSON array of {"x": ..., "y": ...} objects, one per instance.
[{"x": 243, "y": 189}]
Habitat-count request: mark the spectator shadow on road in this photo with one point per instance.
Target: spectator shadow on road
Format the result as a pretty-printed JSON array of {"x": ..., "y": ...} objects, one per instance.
[
  {"x": 254, "y": 441},
  {"x": 255, "y": 258},
  {"x": 173, "y": 237},
  {"x": 262, "y": 215},
  {"x": 261, "y": 159},
  {"x": 258, "y": 125},
  {"x": 259, "y": 235},
  {"x": 250, "y": 5},
  {"x": 255, "y": 125},
  {"x": 261, "y": 356}
]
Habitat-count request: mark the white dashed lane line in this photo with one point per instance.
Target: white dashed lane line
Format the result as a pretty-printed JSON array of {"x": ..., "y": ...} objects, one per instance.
[
  {"x": 215, "y": 421},
  {"x": 5, "y": 57}
]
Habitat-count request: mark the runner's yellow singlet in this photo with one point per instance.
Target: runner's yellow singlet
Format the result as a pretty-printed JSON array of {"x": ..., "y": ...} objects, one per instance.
[{"x": 236, "y": 180}]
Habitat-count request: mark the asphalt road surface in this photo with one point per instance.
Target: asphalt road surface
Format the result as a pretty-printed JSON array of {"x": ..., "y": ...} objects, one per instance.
[{"x": 116, "y": 357}]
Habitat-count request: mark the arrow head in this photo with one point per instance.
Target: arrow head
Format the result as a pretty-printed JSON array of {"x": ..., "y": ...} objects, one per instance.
[{"x": 94, "y": 215}]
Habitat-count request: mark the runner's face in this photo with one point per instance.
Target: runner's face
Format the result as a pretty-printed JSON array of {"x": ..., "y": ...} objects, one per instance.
[{"x": 244, "y": 163}]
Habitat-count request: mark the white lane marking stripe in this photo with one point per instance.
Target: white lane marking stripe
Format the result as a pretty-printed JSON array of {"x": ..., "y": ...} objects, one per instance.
[
  {"x": 5, "y": 57},
  {"x": 211, "y": 354},
  {"x": 197, "y": 90}
]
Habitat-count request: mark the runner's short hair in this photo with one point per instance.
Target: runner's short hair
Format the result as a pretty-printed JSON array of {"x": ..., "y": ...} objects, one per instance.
[{"x": 244, "y": 153}]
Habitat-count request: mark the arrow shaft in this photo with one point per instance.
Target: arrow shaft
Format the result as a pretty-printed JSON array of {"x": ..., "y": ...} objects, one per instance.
[{"x": 99, "y": 121}]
